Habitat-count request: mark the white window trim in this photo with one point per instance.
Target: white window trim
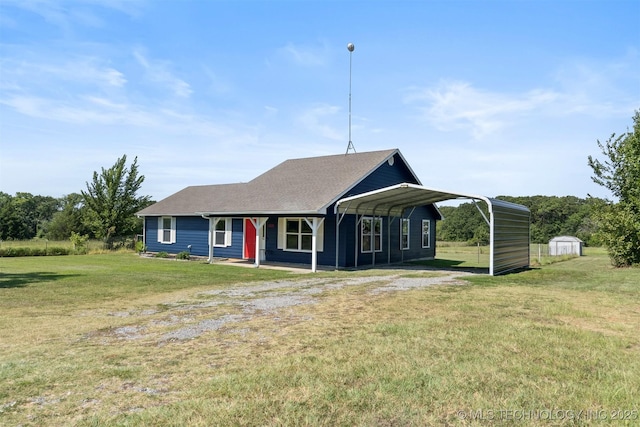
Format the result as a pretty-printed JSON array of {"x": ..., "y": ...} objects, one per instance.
[
  {"x": 282, "y": 235},
  {"x": 172, "y": 234},
  {"x": 228, "y": 222},
  {"x": 372, "y": 235},
  {"x": 402, "y": 222},
  {"x": 428, "y": 234}
]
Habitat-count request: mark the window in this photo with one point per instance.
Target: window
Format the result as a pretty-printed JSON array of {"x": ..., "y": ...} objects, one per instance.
[
  {"x": 295, "y": 234},
  {"x": 426, "y": 233},
  {"x": 222, "y": 232},
  {"x": 167, "y": 229},
  {"x": 298, "y": 235},
  {"x": 371, "y": 235},
  {"x": 404, "y": 233}
]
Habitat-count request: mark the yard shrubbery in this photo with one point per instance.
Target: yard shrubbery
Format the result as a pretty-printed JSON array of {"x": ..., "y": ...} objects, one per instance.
[{"x": 27, "y": 251}]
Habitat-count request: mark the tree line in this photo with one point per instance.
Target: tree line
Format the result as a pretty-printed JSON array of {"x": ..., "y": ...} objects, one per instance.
[
  {"x": 25, "y": 216},
  {"x": 551, "y": 216},
  {"x": 105, "y": 210}
]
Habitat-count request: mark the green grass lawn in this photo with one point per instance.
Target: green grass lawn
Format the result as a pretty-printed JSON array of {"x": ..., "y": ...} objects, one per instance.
[{"x": 79, "y": 345}]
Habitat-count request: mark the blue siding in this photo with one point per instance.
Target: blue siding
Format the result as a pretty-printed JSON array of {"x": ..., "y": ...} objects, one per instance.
[
  {"x": 189, "y": 231},
  {"x": 385, "y": 176},
  {"x": 416, "y": 251},
  {"x": 193, "y": 230}
]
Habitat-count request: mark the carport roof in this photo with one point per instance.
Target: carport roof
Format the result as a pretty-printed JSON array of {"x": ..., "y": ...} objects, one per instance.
[{"x": 395, "y": 199}]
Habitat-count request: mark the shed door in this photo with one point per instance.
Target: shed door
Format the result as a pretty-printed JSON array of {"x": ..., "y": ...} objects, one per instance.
[{"x": 249, "y": 240}]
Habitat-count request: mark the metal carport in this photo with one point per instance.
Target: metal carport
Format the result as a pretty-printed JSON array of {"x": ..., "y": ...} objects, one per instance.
[{"x": 508, "y": 222}]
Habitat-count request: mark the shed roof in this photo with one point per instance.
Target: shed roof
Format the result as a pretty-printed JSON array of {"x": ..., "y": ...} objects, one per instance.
[
  {"x": 565, "y": 239},
  {"x": 307, "y": 185}
]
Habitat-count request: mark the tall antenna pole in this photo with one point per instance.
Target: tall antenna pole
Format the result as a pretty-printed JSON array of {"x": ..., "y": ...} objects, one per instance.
[{"x": 350, "y": 48}]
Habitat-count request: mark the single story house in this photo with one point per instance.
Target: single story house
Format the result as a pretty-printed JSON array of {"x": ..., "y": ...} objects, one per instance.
[
  {"x": 343, "y": 210},
  {"x": 292, "y": 207}
]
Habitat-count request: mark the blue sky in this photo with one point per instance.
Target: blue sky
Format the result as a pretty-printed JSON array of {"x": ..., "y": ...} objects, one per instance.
[{"x": 482, "y": 97}]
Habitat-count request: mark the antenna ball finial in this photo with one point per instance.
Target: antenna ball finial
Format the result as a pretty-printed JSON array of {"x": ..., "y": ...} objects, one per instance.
[{"x": 350, "y": 47}]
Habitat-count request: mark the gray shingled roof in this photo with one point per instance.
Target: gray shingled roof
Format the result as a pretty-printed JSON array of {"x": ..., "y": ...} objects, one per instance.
[{"x": 307, "y": 185}]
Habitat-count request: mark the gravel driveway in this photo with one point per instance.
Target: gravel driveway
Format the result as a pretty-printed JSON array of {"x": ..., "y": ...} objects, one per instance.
[{"x": 188, "y": 320}]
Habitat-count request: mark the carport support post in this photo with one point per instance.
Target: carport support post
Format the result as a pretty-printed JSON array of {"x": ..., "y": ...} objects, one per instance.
[
  {"x": 389, "y": 239},
  {"x": 337, "y": 236},
  {"x": 492, "y": 238}
]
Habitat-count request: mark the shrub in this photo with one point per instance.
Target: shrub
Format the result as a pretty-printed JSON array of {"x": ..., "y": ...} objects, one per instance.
[
  {"x": 162, "y": 254},
  {"x": 56, "y": 250},
  {"x": 140, "y": 247},
  {"x": 183, "y": 255},
  {"x": 79, "y": 242}
]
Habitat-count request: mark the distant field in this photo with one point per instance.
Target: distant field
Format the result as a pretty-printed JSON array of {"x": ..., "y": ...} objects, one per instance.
[
  {"x": 92, "y": 245},
  {"x": 116, "y": 339},
  {"x": 461, "y": 254}
]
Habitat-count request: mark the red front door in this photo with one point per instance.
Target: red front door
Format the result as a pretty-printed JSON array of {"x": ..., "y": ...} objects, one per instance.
[{"x": 249, "y": 240}]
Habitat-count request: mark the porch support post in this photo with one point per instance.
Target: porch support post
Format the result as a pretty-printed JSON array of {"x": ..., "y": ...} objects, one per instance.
[
  {"x": 212, "y": 226},
  {"x": 315, "y": 225},
  {"x": 144, "y": 233},
  {"x": 258, "y": 223}
]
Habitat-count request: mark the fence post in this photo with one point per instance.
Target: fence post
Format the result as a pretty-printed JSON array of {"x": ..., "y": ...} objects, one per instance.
[{"x": 539, "y": 253}]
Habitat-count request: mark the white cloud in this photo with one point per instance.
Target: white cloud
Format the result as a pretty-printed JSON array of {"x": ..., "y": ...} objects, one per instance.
[
  {"x": 454, "y": 104},
  {"x": 315, "y": 120},
  {"x": 158, "y": 72},
  {"x": 306, "y": 56},
  {"x": 217, "y": 84},
  {"x": 65, "y": 15},
  {"x": 603, "y": 89},
  {"x": 42, "y": 72},
  {"x": 577, "y": 88},
  {"x": 95, "y": 110},
  {"x": 270, "y": 111},
  {"x": 114, "y": 77}
]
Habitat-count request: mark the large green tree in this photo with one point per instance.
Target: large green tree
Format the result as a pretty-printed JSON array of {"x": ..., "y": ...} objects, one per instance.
[
  {"x": 71, "y": 217},
  {"x": 111, "y": 200},
  {"x": 619, "y": 222}
]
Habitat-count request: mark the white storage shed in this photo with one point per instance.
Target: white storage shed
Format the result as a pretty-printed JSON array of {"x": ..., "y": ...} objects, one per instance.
[{"x": 565, "y": 245}]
